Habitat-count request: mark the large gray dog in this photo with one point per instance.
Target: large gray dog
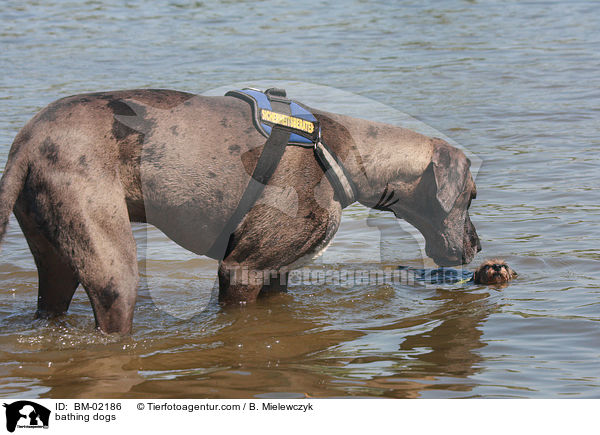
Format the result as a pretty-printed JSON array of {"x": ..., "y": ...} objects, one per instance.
[{"x": 86, "y": 166}]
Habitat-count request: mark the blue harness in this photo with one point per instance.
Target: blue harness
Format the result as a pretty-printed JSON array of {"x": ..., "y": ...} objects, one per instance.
[
  {"x": 262, "y": 108},
  {"x": 441, "y": 275},
  {"x": 283, "y": 122}
]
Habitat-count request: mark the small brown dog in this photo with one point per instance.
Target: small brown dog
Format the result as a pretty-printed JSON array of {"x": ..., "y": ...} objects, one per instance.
[{"x": 494, "y": 271}]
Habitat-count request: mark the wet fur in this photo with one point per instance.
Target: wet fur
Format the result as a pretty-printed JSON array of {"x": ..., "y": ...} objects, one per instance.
[{"x": 494, "y": 271}]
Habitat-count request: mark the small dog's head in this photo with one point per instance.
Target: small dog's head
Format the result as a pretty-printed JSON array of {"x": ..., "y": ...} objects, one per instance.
[{"x": 494, "y": 271}]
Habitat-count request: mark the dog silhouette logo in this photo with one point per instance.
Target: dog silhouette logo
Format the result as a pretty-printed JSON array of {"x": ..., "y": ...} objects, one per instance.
[{"x": 26, "y": 414}]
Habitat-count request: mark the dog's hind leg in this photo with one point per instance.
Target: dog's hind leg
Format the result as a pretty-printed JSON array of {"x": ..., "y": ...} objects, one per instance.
[
  {"x": 107, "y": 267},
  {"x": 57, "y": 281},
  {"x": 79, "y": 231}
]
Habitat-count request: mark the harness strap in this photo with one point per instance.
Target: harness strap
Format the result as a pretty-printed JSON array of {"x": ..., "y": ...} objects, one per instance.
[
  {"x": 344, "y": 188},
  {"x": 265, "y": 167}
]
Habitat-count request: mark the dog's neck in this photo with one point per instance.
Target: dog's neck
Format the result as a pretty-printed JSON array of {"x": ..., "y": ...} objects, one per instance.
[{"x": 376, "y": 155}]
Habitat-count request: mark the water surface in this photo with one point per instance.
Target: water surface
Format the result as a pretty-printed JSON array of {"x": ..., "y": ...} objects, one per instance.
[{"x": 514, "y": 83}]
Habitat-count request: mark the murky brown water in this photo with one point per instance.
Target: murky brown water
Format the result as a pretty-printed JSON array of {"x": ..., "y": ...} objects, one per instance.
[{"x": 515, "y": 84}]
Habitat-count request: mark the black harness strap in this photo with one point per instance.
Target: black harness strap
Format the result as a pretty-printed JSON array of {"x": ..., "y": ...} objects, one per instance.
[
  {"x": 343, "y": 187},
  {"x": 278, "y": 100},
  {"x": 265, "y": 167}
]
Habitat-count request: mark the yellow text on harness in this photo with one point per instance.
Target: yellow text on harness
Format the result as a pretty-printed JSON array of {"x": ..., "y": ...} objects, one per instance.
[{"x": 287, "y": 121}]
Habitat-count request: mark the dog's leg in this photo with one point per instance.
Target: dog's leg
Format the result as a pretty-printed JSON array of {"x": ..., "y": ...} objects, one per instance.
[
  {"x": 243, "y": 283},
  {"x": 277, "y": 284},
  {"x": 110, "y": 274},
  {"x": 80, "y": 232},
  {"x": 56, "y": 280},
  {"x": 238, "y": 283},
  {"x": 112, "y": 293}
]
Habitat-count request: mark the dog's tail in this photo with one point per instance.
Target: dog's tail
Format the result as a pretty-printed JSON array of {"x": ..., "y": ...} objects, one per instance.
[{"x": 12, "y": 180}]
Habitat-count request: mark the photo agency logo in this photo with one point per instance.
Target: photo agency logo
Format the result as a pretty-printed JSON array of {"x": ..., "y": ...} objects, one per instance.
[
  {"x": 25, "y": 414},
  {"x": 193, "y": 192}
]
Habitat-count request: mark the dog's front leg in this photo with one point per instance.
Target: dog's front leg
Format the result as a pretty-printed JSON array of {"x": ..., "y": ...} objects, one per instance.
[
  {"x": 241, "y": 282},
  {"x": 238, "y": 283}
]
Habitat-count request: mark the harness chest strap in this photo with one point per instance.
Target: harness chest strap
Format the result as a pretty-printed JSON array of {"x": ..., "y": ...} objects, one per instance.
[
  {"x": 279, "y": 123},
  {"x": 344, "y": 188}
]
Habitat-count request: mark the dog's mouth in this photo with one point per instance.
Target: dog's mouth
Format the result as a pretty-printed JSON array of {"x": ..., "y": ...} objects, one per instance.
[
  {"x": 445, "y": 261},
  {"x": 453, "y": 256},
  {"x": 451, "y": 249}
]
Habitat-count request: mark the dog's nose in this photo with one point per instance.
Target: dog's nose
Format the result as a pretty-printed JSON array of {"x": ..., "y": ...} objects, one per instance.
[{"x": 497, "y": 268}]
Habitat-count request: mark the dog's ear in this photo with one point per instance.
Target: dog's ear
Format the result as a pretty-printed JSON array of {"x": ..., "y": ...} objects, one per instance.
[{"x": 450, "y": 169}]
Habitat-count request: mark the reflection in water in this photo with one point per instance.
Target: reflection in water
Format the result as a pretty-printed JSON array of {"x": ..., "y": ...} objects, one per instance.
[
  {"x": 313, "y": 343},
  {"x": 93, "y": 376},
  {"x": 440, "y": 345}
]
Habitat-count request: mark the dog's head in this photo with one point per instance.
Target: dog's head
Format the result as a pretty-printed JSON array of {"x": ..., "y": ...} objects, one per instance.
[
  {"x": 439, "y": 205},
  {"x": 493, "y": 271}
]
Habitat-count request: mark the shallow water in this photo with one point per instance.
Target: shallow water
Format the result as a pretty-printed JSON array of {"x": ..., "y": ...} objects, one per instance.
[{"x": 516, "y": 84}]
